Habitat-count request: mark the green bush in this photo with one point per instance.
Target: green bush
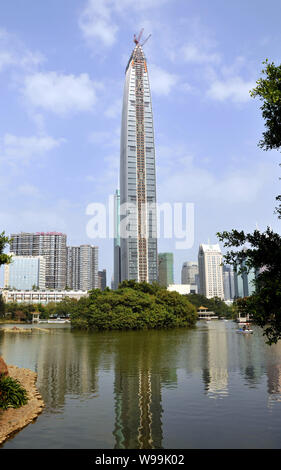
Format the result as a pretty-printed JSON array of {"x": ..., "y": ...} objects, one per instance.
[
  {"x": 12, "y": 394},
  {"x": 133, "y": 306}
]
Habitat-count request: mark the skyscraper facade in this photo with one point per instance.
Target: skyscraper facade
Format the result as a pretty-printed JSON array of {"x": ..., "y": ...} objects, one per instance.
[
  {"x": 244, "y": 280},
  {"x": 51, "y": 245},
  {"x": 166, "y": 269},
  {"x": 82, "y": 267},
  {"x": 138, "y": 234},
  {"x": 25, "y": 272},
  {"x": 116, "y": 245},
  {"x": 228, "y": 283},
  {"x": 189, "y": 272},
  {"x": 102, "y": 279},
  {"x": 210, "y": 271}
]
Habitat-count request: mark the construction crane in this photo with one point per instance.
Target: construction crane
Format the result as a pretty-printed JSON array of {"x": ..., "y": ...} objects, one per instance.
[
  {"x": 137, "y": 39},
  {"x": 145, "y": 40}
]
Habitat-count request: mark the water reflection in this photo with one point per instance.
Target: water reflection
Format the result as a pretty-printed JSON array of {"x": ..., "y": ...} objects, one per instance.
[
  {"x": 215, "y": 353},
  {"x": 141, "y": 373}
]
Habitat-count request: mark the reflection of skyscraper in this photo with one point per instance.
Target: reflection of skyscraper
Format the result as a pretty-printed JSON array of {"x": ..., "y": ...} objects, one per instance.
[
  {"x": 215, "y": 375},
  {"x": 137, "y": 391},
  {"x": 274, "y": 373},
  {"x": 137, "y": 175}
]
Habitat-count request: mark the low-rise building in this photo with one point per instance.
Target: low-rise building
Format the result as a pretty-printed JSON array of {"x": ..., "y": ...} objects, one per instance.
[
  {"x": 41, "y": 296},
  {"x": 183, "y": 289}
]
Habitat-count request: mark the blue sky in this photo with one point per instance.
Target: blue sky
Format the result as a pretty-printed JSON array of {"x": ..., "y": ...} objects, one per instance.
[{"x": 61, "y": 84}]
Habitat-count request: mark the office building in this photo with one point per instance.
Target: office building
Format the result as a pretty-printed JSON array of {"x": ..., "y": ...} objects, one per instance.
[
  {"x": 183, "y": 289},
  {"x": 116, "y": 245},
  {"x": 165, "y": 269},
  {"x": 190, "y": 273},
  {"x": 51, "y": 245},
  {"x": 244, "y": 280},
  {"x": 25, "y": 272},
  {"x": 210, "y": 271},
  {"x": 228, "y": 283},
  {"x": 102, "y": 279},
  {"x": 138, "y": 225},
  {"x": 41, "y": 296}
]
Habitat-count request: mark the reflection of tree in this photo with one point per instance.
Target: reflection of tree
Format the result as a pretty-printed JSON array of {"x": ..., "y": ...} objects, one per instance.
[
  {"x": 137, "y": 389},
  {"x": 274, "y": 373},
  {"x": 68, "y": 363}
]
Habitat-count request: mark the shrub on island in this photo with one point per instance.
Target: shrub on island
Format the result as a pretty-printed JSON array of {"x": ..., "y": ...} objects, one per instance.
[
  {"x": 133, "y": 306},
  {"x": 12, "y": 394}
]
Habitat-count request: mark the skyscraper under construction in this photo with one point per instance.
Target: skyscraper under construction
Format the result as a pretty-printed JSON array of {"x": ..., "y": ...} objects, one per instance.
[{"x": 138, "y": 224}]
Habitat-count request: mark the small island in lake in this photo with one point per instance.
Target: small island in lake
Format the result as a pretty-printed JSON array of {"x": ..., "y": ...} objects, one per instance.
[{"x": 133, "y": 306}]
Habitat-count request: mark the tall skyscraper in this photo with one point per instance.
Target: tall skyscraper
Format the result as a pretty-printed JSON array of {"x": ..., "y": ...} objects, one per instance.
[
  {"x": 52, "y": 246},
  {"x": 244, "y": 281},
  {"x": 102, "y": 279},
  {"x": 116, "y": 246},
  {"x": 189, "y": 272},
  {"x": 25, "y": 272},
  {"x": 166, "y": 269},
  {"x": 138, "y": 225},
  {"x": 210, "y": 271},
  {"x": 82, "y": 267},
  {"x": 228, "y": 283},
  {"x": 73, "y": 267}
]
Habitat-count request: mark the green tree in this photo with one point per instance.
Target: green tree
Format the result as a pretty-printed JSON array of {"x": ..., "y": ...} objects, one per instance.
[{"x": 262, "y": 251}]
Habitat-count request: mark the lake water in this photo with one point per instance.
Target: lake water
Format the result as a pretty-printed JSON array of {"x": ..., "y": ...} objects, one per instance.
[{"x": 208, "y": 387}]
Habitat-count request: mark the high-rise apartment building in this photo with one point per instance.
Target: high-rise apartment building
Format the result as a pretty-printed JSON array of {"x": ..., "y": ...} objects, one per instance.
[
  {"x": 210, "y": 271},
  {"x": 52, "y": 246},
  {"x": 25, "y": 273},
  {"x": 73, "y": 267},
  {"x": 138, "y": 225},
  {"x": 116, "y": 245},
  {"x": 82, "y": 267},
  {"x": 165, "y": 269}
]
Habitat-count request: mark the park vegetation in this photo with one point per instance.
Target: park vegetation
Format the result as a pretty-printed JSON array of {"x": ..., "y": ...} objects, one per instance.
[
  {"x": 12, "y": 394},
  {"x": 262, "y": 250},
  {"x": 133, "y": 306}
]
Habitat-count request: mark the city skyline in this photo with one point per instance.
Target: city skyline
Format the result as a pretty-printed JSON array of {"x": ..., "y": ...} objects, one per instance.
[{"x": 60, "y": 151}]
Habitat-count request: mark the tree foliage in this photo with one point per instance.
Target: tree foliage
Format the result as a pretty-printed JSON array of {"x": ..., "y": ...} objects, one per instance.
[
  {"x": 133, "y": 306},
  {"x": 262, "y": 251},
  {"x": 4, "y": 241},
  {"x": 216, "y": 305}
]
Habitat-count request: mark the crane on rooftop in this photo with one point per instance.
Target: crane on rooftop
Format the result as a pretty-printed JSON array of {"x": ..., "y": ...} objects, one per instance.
[{"x": 137, "y": 39}]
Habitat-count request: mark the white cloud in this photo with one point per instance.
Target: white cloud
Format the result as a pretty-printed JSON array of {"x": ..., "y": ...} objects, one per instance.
[
  {"x": 98, "y": 19},
  {"x": 14, "y": 54},
  {"x": 234, "y": 89},
  {"x": 194, "y": 54},
  {"x": 161, "y": 81},
  {"x": 14, "y": 149},
  {"x": 59, "y": 93},
  {"x": 28, "y": 190},
  {"x": 114, "y": 110}
]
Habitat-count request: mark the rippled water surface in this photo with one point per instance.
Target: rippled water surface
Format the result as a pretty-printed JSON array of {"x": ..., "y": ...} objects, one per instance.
[{"x": 203, "y": 388}]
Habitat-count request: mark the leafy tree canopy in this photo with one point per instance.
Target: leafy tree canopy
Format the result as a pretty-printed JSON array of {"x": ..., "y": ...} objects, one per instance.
[{"x": 262, "y": 251}]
